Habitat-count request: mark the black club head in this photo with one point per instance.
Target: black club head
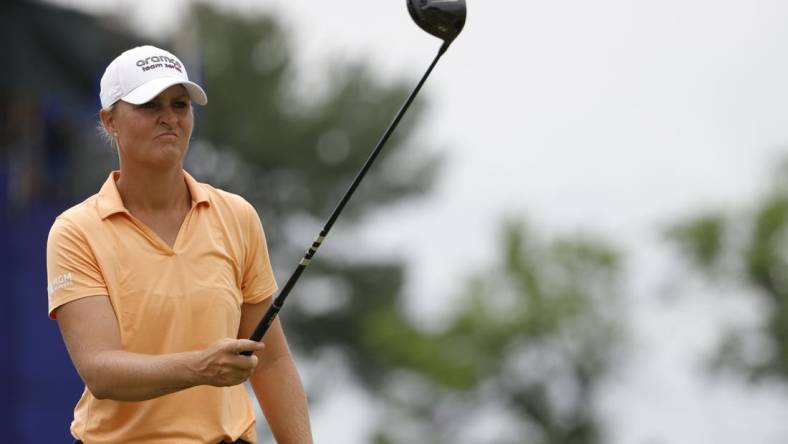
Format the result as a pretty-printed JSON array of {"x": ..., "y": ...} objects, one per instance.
[{"x": 442, "y": 18}]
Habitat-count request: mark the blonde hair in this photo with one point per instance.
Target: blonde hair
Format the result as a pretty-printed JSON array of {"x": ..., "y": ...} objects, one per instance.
[{"x": 108, "y": 137}]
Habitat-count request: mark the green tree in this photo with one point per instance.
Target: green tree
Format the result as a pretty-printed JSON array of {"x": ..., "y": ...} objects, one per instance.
[
  {"x": 746, "y": 250},
  {"x": 532, "y": 337}
]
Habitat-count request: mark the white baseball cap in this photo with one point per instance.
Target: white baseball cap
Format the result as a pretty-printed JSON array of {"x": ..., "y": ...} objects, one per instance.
[{"x": 142, "y": 73}]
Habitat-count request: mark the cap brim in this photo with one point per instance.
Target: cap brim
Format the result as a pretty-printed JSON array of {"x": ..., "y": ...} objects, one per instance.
[{"x": 148, "y": 91}]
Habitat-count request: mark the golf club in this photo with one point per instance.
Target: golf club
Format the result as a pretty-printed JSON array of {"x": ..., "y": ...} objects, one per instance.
[{"x": 443, "y": 19}]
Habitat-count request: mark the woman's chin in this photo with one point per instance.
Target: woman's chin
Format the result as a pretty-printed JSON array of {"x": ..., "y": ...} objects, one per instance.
[
  {"x": 164, "y": 159},
  {"x": 159, "y": 156}
]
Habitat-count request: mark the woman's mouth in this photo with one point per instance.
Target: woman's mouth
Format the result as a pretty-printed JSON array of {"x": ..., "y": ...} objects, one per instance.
[{"x": 169, "y": 136}]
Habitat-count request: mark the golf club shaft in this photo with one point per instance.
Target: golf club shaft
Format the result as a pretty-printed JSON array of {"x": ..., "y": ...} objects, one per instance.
[{"x": 279, "y": 301}]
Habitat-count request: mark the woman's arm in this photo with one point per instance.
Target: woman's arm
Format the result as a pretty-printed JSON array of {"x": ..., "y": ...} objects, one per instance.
[
  {"x": 276, "y": 382},
  {"x": 90, "y": 331}
]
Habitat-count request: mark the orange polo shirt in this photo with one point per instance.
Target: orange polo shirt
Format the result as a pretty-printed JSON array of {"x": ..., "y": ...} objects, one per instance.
[{"x": 167, "y": 300}]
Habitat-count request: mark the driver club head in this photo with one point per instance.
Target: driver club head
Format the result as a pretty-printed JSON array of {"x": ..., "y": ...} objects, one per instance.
[{"x": 442, "y": 18}]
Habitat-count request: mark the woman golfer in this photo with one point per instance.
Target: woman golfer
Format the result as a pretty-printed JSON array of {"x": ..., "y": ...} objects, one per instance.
[{"x": 154, "y": 279}]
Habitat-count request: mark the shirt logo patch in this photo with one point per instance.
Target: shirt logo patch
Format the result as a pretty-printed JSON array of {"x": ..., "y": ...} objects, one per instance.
[{"x": 63, "y": 281}]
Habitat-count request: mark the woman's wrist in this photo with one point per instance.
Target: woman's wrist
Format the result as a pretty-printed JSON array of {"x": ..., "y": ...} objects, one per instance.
[{"x": 192, "y": 363}]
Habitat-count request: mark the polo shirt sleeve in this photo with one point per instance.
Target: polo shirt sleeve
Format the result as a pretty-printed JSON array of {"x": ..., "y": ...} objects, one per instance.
[
  {"x": 258, "y": 281},
  {"x": 72, "y": 270}
]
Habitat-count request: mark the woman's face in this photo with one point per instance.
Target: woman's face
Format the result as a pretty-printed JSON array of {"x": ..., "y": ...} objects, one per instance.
[{"x": 155, "y": 134}]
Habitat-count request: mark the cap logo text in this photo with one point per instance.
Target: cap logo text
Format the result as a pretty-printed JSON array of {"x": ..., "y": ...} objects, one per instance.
[{"x": 161, "y": 61}]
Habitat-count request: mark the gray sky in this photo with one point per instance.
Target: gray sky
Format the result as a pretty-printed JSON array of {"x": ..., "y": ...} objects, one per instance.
[{"x": 615, "y": 116}]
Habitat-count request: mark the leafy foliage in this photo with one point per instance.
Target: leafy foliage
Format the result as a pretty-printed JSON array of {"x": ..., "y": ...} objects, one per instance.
[
  {"x": 753, "y": 246},
  {"x": 700, "y": 239},
  {"x": 535, "y": 333}
]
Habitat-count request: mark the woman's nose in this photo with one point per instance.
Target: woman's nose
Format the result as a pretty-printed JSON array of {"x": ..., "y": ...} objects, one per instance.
[{"x": 168, "y": 115}]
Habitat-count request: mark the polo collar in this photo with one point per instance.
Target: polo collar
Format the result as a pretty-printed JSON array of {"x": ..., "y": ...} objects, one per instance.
[
  {"x": 109, "y": 201},
  {"x": 196, "y": 189}
]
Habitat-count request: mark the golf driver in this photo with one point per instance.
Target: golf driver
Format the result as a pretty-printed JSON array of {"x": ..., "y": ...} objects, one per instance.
[{"x": 443, "y": 19}]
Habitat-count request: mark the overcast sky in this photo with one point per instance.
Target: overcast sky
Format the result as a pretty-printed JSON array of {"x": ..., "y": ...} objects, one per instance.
[{"x": 613, "y": 117}]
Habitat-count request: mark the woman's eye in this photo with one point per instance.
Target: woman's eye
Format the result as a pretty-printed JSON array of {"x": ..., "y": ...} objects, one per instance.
[
  {"x": 180, "y": 104},
  {"x": 148, "y": 105}
]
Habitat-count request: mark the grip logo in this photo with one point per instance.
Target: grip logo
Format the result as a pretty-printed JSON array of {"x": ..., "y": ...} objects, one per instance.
[{"x": 63, "y": 281}]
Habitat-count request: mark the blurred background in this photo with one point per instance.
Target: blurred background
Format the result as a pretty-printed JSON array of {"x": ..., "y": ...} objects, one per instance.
[{"x": 577, "y": 235}]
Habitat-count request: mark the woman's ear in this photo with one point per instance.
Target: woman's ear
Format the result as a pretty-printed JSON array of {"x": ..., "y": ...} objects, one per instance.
[{"x": 107, "y": 117}]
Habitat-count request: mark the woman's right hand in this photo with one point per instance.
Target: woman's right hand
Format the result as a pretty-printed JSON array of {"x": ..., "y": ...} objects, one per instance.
[{"x": 222, "y": 365}]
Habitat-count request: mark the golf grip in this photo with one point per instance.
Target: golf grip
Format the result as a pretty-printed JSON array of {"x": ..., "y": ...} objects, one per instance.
[{"x": 279, "y": 301}]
